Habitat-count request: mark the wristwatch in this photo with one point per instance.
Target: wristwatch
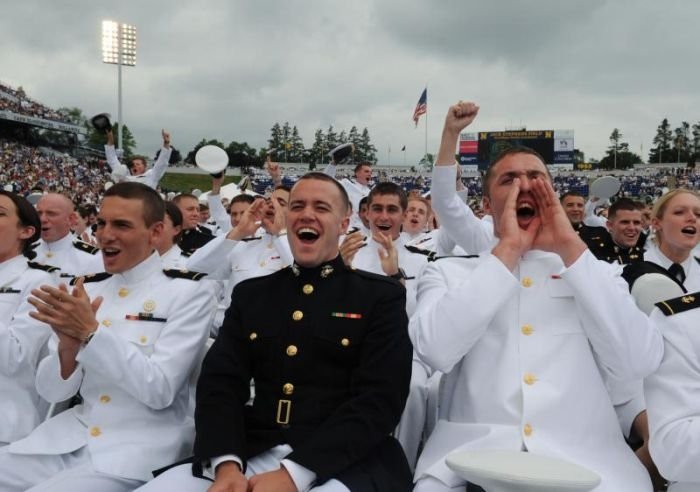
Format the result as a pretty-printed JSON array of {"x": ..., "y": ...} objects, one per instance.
[
  {"x": 400, "y": 275},
  {"x": 87, "y": 339}
]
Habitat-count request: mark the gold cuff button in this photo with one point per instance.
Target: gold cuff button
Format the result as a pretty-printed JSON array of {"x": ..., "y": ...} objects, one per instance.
[
  {"x": 288, "y": 389},
  {"x": 297, "y": 315},
  {"x": 292, "y": 350}
]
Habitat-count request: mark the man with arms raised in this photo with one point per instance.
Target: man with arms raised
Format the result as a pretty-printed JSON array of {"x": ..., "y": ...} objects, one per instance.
[
  {"x": 137, "y": 169},
  {"x": 526, "y": 334},
  {"x": 127, "y": 341},
  {"x": 331, "y": 363}
]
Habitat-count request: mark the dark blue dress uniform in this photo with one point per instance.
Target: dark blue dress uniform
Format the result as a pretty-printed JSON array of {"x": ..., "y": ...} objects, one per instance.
[
  {"x": 604, "y": 248},
  {"x": 329, "y": 352}
]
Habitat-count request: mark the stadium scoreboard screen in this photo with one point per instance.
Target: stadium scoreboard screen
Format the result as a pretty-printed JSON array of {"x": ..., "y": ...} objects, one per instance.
[{"x": 555, "y": 146}]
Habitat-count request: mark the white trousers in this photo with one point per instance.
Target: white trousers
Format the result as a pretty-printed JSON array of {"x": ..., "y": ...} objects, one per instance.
[
  {"x": 180, "y": 478},
  {"x": 409, "y": 432},
  {"x": 72, "y": 472}
]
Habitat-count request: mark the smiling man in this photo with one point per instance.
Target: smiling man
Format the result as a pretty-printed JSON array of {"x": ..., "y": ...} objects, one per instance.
[
  {"x": 330, "y": 359},
  {"x": 127, "y": 342},
  {"x": 528, "y": 333}
]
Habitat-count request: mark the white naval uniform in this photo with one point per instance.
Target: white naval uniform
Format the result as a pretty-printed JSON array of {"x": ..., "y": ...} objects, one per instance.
[
  {"x": 525, "y": 355},
  {"x": 356, "y": 192},
  {"x": 70, "y": 255},
  {"x": 22, "y": 340},
  {"x": 410, "y": 429},
  {"x": 133, "y": 377},
  {"x": 174, "y": 258},
  {"x": 150, "y": 178},
  {"x": 691, "y": 266},
  {"x": 673, "y": 396},
  {"x": 234, "y": 261}
]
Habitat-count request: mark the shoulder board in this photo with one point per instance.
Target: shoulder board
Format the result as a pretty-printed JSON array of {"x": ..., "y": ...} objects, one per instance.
[
  {"x": 93, "y": 277},
  {"x": 633, "y": 271},
  {"x": 436, "y": 258},
  {"x": 421, "y": 251},
  {"x": 246, "y": 239},
  {"x": 186, "y": 254},
  {"x": 679, "y": 304},
  {"x": 697, "y": 258},
  {"x": 88, "y": 248},
  {"x": 186, "y": 274},
  {"x": 424, "y": 240},
  {"x": 41, "y": 266}
]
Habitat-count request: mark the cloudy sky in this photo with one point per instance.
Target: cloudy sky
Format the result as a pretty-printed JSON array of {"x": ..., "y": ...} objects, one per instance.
[{"x": 229, "y": 69}]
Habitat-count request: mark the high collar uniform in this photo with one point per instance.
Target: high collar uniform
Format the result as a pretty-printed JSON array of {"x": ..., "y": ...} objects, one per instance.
[
  {"x": 22, "y": 339},
  {"x": 133, "y": 375},
  {"x": 73, "y": 257},
  {"x": 329, "y": 354},
  {"x": 526, "y": 354},
  {"x": 691, "y": 266}
]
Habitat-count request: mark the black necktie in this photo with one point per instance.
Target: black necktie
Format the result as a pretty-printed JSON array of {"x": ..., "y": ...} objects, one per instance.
[{"x": 677, "y": 272}]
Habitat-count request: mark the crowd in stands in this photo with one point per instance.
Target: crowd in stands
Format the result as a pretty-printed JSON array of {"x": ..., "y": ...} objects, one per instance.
[{"x": 16, "y": 100}]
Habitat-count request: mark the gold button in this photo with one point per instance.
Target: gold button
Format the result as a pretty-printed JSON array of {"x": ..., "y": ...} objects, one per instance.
[
  {"x": 143, "y": 339},
  {"x": 345, "y": 342},
  {"x": 529, "y": 379},
  {"x": 105, "y": 399},
  {"x": 308, "y": 289},
  {"x": 123, "y": 292},
  {"x": 292, "y": 350},
  {"x": 527, "y": 330},
  {"x": 288, "y": 389},
  {"x": 262, "y": 264},
  {"x": 527, "y": 430},
  {"x": 297, "y": 315},
  {"x": 49, "y": 254},
  {"x": 527, "y": 282},
  {"x": 253, "y": 336},
  {"x": 95, "y": 431},
  {"x": 106, "y": 322}
]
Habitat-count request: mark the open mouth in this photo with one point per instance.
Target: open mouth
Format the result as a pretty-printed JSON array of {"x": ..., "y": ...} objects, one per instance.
[
  {"x": 690, "y": 231},
  {"x": 307, "y": 235},
  {"x": 525, "y": 211},
  {"x": 384, "y": 227},
  {"x": 110, "y": 252}
]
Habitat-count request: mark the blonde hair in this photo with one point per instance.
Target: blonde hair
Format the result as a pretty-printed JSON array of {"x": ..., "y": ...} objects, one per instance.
[{"x": 661, "y": 205}]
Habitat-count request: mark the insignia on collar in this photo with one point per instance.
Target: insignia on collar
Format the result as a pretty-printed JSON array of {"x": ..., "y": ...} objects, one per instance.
[
  {"x": 326, "y": 270},
  {"x": 295, "y": 269}
]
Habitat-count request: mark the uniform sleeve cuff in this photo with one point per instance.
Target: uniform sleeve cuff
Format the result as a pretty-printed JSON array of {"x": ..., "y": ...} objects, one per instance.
[
  {"x": 210, "y": 468},
  {"x": 302, "y": 477}
]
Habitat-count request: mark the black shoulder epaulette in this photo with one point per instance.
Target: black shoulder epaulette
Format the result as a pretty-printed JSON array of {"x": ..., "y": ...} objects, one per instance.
[
  {"x": 633, "y": 271},
  {"x": 373, "y": 276},
  {"x": 186, "y": 254},
  {"x": 436, "y": 257},
  {"x": 679, "y": 304},
  {"x": 421, "y": 251},
  {"x": 255, "y": 238},
  {"x": 186, "y": 274},
  {"x": 93, "y": 277},
  {"x": 41, "y": 266},
  {"x": 88, "y": 248},
  {"x": 697, "y": 258}
]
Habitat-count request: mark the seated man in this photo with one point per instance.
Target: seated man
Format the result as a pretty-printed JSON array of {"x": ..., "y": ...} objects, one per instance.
[
  {"x": 331, "y": 362},
  {"x": 127, "y": 341},
  {"x": 527, "y": 335}
]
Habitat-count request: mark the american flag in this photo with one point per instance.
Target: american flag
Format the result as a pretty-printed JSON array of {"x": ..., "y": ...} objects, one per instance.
[{"x": 421, "y": 107}]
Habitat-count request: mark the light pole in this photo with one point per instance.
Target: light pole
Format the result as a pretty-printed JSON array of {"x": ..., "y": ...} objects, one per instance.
[{"x": 119, "y": 48}]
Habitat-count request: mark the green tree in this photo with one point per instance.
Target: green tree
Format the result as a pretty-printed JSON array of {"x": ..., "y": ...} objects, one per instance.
[
  {"x": 190, "y": 155},
  {"x": 681, "y": 141},
  {"x": 276, "y": 139},
  {"x": 662, "y": 151},
  {"x": 618, "y": 155},
  {"x": 365, "y": 151},
  {"x": 331, "y": 138},
  {"x": 242, "y": 155},
  {"x": 296, "y": 146},
  {"x": 98, "y": 140},
  {"x": 696, "y": 139},
  {"x": 318, "y": 151}
]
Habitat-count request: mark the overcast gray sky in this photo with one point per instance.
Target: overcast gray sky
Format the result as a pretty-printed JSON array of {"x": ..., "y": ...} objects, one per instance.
[{"x": 229, "y": 69}]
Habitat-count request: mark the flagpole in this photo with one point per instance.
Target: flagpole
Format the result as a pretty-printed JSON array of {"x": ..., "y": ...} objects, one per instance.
[{"x": 426, "y": 121}]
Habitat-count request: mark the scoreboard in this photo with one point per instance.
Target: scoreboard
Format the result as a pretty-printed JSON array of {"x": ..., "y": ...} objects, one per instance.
[{"x": 555, "y": 146}]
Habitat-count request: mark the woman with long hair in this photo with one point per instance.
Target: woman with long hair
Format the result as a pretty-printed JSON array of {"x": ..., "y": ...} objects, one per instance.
[{"x": 22, "y": 338}]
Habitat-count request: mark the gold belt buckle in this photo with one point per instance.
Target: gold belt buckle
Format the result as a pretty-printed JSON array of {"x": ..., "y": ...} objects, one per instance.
[{"x": 283, "y": 409}]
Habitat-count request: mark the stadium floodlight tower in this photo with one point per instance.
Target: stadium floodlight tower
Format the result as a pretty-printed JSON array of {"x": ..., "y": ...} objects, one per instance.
[{"x": 119, "y": 48}]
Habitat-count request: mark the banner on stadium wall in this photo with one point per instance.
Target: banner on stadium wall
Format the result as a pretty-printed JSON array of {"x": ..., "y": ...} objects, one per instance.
[
  {"x": 31, "y": 120},
  {"x": 555, "y": 146}
]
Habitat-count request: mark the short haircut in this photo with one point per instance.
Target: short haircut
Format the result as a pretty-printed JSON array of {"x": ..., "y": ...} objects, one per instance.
[
  {"x": 363, "y": 201},
  {"x": 571, "y": 193},
  {"x": 515, "y": 149},
  {"x": 133, "y": 158},
  {"x": 360, "y": 165},
  {"x": 418, "y": 198},
  {"x": 203, "y": 206},
  {"x": 389, "y": 188},
  {"x": 28, "y": 217},
  {"x": 173, "y": 211},
  {"x": 183, "y": 196},
  {"x": 318, "y": 176},
  {"x": 286, "y": 188},
  {"x": 621, "y": 204},
  {"x": 153, "y": 204},
  {"x": 85, "y": 210},
  {"x": 243, "y": 198}
]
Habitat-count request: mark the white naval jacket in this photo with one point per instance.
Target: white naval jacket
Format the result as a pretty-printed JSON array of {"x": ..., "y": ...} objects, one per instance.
[
  {"x": 22, "y": 340},
  {"x": 133, "y": 375},
  {"x": 71, "y": 259},
  {"x": 151, "y": 177},
  {"x": 524, "y": 355},
  {"x": 673, "y": 397}
]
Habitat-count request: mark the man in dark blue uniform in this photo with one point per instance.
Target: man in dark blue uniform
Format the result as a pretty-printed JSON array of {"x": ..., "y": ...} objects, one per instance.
[{"x": 328, "y": 350}]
